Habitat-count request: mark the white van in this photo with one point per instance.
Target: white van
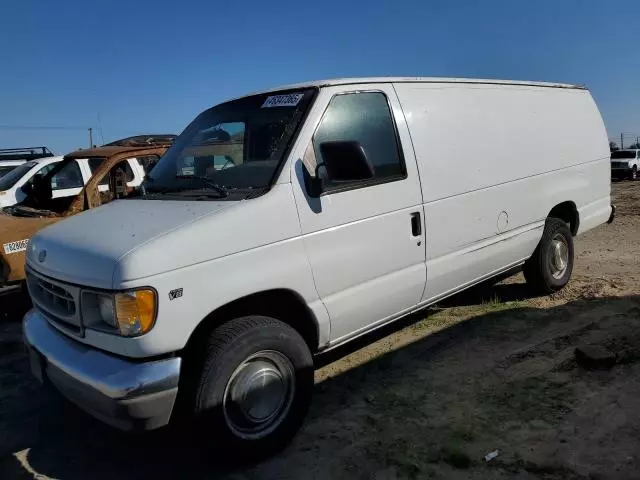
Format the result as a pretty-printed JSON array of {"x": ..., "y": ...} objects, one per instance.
[
  {"x": 288, "y": 222},
  {"x": 66, "y": 183}
]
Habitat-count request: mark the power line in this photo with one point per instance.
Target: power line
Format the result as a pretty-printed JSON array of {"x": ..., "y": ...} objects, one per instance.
[
  {"x": 40, "y": 127},
  {"x": 624, "y": 138}
]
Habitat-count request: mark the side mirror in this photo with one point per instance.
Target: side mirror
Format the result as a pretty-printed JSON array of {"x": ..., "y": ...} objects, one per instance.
[{"x": 345, "y": 162}]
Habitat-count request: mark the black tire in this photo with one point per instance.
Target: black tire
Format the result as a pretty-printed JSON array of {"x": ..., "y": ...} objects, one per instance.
[
  {"x": 539, "y": 269},
  {"x": 634, "y": 173},
  {"x": 229, "y": 347}
]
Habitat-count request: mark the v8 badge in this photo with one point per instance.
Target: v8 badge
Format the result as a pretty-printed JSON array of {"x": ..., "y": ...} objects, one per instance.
[{"x": 177, "y": 293}]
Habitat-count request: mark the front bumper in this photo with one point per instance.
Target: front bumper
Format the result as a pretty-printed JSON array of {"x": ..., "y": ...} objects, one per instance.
[{"x": 125, "y": 394}]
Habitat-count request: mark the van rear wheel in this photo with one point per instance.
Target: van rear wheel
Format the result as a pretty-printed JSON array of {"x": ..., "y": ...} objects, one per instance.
[
  {"x": 549, "y": 268},
  {"x": 255, "y": 387}
]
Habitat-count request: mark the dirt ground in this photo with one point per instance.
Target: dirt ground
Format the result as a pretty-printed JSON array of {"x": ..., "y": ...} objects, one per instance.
[{"x": 491, "y": 369}]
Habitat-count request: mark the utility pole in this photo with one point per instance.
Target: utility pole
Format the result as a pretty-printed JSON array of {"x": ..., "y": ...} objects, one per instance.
[
  {"x": 90, "y": 137},
  {"x": 621, "y": 140}
]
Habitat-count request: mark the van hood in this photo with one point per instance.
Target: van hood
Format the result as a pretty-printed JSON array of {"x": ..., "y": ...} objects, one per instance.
[
  {"x": 130, "y": 240},
  {"x": 86, "y": 249}
]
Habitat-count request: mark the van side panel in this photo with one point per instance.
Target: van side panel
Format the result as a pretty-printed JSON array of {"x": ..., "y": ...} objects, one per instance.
[{"x": 494, "y": 160}]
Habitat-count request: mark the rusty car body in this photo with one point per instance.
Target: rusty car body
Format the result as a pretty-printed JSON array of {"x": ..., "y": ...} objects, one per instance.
[{"x": 20, "y": 222}]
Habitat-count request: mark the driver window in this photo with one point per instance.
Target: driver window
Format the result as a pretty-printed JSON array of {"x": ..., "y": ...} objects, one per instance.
[{"x": 363, "y": 117}]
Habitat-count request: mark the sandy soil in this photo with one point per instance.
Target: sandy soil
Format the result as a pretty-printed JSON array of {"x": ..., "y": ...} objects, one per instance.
[{"x": 492, "y": 369}]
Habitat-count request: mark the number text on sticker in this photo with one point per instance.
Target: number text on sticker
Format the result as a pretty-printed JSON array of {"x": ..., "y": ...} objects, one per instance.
[
  {"x": 290, "y": 100},
  {"x": 15, "y": 247}
]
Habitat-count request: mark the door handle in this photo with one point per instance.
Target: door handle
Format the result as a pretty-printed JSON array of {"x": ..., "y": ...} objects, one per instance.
[{"x": 416, "y": 224}]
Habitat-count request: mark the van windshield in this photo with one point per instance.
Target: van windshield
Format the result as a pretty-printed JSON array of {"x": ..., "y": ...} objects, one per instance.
[
  {"x": 623, "y": 154},
  {"x": 237, "y": 145},
  {"x": 11, "y": 178}
]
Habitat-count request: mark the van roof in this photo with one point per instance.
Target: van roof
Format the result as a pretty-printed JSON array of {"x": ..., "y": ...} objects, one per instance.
[{"x": 355, "y": 81}]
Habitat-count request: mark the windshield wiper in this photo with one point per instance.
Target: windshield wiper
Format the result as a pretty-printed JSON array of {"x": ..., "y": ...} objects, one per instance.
[{"x": 205, "y": 180}]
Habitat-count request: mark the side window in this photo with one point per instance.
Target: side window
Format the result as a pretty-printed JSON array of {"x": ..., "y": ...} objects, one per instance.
[
  {"x": 122, "y": 172},
  {"x": 69, "y": 177},
  {"x": 128, "y": 172},
  {"x": 94, "y": 163},
  {"x": 42, "y": 172},
  {"x": 365, "y": 118},
  {"x": 148, "y": 162}
]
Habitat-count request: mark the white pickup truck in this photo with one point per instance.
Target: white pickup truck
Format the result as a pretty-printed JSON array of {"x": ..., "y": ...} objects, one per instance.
[
  {"x": 625, "y": 164},
  {"x": 66, "y": 183},
  {"x": 288, "y": 222},
  {"x": 11, "y": 158}
]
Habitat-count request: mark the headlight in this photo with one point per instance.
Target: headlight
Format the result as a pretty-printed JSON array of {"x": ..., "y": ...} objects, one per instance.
[
  {"x": 106, "y": 310},
  {"x": 129, "y": 314}
]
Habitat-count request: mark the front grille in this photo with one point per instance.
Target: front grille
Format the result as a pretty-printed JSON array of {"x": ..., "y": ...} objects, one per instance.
[
  {"x": 57, "y": 301},
  {"x": 57, "y": 298}
]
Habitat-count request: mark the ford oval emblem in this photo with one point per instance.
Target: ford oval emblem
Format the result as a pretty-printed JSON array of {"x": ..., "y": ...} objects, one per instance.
[{"x": 42, "y": 256}]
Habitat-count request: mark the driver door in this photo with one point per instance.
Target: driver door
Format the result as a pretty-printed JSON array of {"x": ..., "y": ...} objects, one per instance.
[{"x": 364, "y": 240}]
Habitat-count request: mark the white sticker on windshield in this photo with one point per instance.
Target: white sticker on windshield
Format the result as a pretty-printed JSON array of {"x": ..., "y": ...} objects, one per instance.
[
  {"x": 15, "y": 247},
  {"x": 290, "y": 100}
]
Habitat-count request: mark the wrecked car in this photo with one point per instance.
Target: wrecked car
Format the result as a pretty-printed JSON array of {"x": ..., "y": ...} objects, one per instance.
[{"x": 117, "y": 170}]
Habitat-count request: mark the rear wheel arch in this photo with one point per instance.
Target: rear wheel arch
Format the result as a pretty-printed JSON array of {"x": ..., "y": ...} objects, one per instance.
[{"x": 568, "y": 213}]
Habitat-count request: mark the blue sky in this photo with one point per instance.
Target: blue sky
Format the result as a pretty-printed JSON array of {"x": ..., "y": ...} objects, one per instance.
[{"x": 151, "y": 66}]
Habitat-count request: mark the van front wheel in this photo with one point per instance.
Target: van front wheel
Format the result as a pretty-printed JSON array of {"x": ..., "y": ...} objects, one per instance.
[
  {"x": 549, "y": 268},
  {"x": 255, "y": 387}
]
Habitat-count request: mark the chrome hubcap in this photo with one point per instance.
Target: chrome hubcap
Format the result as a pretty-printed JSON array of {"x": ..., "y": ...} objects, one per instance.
[
  {"x": 559, "y": 256},
  {"x": 259, "y": 394}
]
